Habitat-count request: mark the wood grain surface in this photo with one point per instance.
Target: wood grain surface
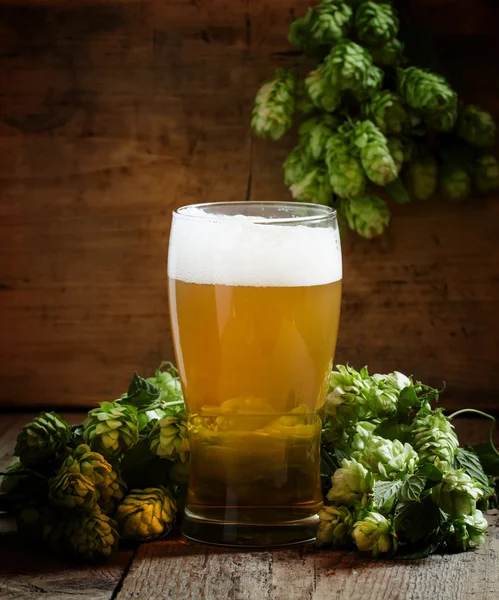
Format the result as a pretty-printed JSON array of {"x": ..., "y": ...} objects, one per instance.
[
  {"x": 178, "y": 570},
  {"x": 114, "y": 113}
]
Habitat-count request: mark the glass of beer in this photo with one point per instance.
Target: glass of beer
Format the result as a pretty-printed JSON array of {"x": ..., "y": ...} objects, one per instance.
[{"x": 255, "y": 293}]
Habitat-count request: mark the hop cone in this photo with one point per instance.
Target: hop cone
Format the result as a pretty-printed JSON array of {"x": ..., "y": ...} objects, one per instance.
[
  {"x": 11, "y": 480},
  {"x": 43, "y": 441},
  {"x": 315, "y": 132},
  {"x": 323, "y": 25},
  {"x": 457, "y": 493},
  {"x": 350, "y": 483},
  {"x": 349, "y": 66},
  {"x": 386, "y": 111},
  {"x": 314, "y": 187},
  {"x": 374, "y": 534},
  {"x": 346, "y": 175},
  {"x": 111, "y": 429},
  {"x": 297, "y": 164},
  {"x": 426, "y": 92},
  {"x": 387, "y": 458},
  {"x": 422, "y": 177},
  {"x": 396, "y": 148},
  {"x": 275, "y": 105},
  {"x": 109, "y": 485},
  {"x": 168, "y": 438},
  {"x": 433, "y": 437},
  {"x": 374, "y": 153},
  {"x": 388, "y": 55},
  {"x": 467, "y": 531},
  {"x": 92, "y": 536},
  {"x": 335, "y": 527},
  {"x": 486, "y": 174},
  {"x": 476, "y": 126},
  {"x": 167, "y": 383},
  {"x": 367, "y": 215},
  {"x": 321, "y": 91},
  {"x": 42, "y": 524},
  {"x": 146, "y": 514},
  {"x": 376, "y": 24},
  {"x": 455, "y": 183},
  {"x": 347, "y": 400},
  {"x": 72, "y": 490}
]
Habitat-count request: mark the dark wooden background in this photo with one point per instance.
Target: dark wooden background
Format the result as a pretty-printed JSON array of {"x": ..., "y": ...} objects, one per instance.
[{"x": 114, "y": 113}]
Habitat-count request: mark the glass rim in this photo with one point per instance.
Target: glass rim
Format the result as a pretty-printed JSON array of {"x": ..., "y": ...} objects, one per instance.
[{"x": 324, "y": 213}]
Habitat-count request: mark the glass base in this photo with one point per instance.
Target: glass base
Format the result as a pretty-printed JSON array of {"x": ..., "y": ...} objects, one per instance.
[{"x": 249, "y": 535}]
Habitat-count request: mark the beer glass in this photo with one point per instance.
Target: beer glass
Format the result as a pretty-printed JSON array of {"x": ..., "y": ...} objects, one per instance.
[{"x": 255, "y": 292}]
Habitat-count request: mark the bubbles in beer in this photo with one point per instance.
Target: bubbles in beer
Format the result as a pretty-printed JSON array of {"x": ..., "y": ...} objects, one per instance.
[{"x": 251, "y": 251}]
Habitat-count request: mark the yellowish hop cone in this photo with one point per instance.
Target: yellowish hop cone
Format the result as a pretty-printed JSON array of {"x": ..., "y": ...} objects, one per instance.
[{"x": 146, "y": 514}]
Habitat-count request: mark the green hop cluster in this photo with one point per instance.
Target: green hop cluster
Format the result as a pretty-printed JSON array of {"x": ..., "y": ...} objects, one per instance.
[
  {"x": 476, "y": 126},
  {"x": 323, "y": 25},
  {"x": 322, "y": 94},
  {"x": 457, "y": 493},
  {"x": 315, "y": 132},
  {"x": 433, "y": 437},
  {"x": 376, "y": 24},
  {"x": 350, "y": 483},
  {"x": 374, "y": 153},
  {"x": 43, "y": 441},
  {"x": 168, "y": 438},
  {"x": 111, "y": 429},
  {"x": 146, "y": 514},
  {"x": 486, "y": 174},
  {"x": 369, "y": 215},
  {"x": 386, "y": 110},
  {"x": 387, "y": 459},
  {"x": 422, "y": 177},
  {"x": 375, "y": 534},
  {"x": 335, "y": 527},
  {"x": 455, "y": 183},
  {"x": 430, "y": 94},
  {"x": 346, "y": 174},
  {"x": 73, "y": 490},
  {"x": 92, "y": 536},
  {"x": 108, "y": 483},
  {"x": 467, "y": 532},
  {"x": 275, "y": 105}
]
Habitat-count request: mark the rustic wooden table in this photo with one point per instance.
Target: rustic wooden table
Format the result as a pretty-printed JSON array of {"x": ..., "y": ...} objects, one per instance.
[{"x": 183, "y": 571}]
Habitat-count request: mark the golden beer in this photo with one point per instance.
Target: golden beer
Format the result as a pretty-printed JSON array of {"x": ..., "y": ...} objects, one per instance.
[{"x": 254, "y": 362}]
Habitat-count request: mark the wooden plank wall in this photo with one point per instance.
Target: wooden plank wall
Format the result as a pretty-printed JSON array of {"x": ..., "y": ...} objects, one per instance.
[{"x": 114, "y": 113}]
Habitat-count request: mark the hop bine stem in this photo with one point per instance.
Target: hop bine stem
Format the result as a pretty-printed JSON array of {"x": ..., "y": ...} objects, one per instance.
[{"x": 482, "y": 414}]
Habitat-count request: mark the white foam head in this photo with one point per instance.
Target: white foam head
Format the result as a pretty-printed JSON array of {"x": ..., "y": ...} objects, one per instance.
[{"x": 244, "y": 250}]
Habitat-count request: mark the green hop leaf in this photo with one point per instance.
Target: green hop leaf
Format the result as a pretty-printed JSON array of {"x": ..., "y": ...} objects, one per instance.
[
  {"x": 389, "y": 55},
  {"x": 376, "y": 24},
  {"x": 346, "y": 174},
  {"x": 275, "y": 105},
  {"x": 168, "y": 438},
  {"x": 350, "y": 483},
  {"x": 92, "y": 536},
  {"x": 375, "y": 534},
  {"x": 386, "y": 110},
  {"x": 470, "y": 462},
  {"x": 428, "y": 93},
  {"x": 108, "y": 483},
  {"x": 43, "y": 441},
  {"x": 335, "y": 527},
  {"x": 322, "y": 91},
  {"x": 467, "y": 532},
  {"x": 375, "y": 155},
  {"x": 314, "y": 187},
  {"x": 433, "y": 438},
  {"x": 388, "y": 459},
  {"x": 455, "y": 183},
  {"x": 146, "y": 514},
  {"x": 72, "y": 490},
  {"x": 422, "y": 177},
  {"x": 486, "y": 174},
  {"x": 476, "y": 126},
  {"x": 457, "y": 493},
  {"x": 367, "y": 215},
  {"x": 111, "y": 429}
]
